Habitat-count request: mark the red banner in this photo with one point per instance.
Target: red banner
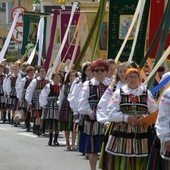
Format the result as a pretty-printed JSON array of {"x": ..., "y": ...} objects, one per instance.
[{"x": 156, "y": 13}]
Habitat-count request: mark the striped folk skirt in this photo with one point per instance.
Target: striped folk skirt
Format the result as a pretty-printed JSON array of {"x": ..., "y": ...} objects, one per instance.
[
  {"x": 23, "y": 101},
  {"x": 11, "y": 101},
  {"x": 127, "y": 140},
  {"x": 36, "y": 108},
  {"x": 126, "y": 163},
  {"x": 103, "y": 162},
  {"x": 92, "y": 136},
  {"x": 155, "y": 161},
  {"x": 51, "y": 110},
  {"x": 35, "y": 100},
  {"x": 65, "y": 116},
  {"x": 89, "y": 143}
]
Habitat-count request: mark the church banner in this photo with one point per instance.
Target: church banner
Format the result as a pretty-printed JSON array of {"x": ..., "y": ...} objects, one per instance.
[
  {"x": 156, "y": 14},
  {"x": 61, "y": 29},
  {"x": 120, "y": 17},
  {"x": 30, "y": 28}
]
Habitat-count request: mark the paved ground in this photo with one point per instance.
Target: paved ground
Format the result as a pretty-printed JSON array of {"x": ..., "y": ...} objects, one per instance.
[{"x": 21, "y": 150}]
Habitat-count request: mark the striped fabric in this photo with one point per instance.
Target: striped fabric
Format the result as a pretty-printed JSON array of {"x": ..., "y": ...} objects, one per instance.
[
  {"x": 66, "y": 115},
  {"x": 51, "y": 110},
  {"x": 92, "y": 136},
  {"x": 127, "y": 163},
  {"x": 155, "y": 162},
  {"x": 24, "y": 102},
  {"x": 127, "y": 140}
]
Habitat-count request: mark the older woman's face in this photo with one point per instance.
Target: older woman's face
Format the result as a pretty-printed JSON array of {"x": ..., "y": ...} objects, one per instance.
[
  {"x": 100, "y": 73},
  {"x": 133, "y": 80}
]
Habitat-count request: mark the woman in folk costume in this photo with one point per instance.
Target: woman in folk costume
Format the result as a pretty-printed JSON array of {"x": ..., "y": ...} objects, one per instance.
[
  {"x": 32, "y": 97},
  {"x": 102, "y": 116},
  {"x": 21, "y": 92},
  {"x": 91, "y": 93},
  {"x": 118, "y": 82},
  {"x": 66, "y": 114},
  {"x": 48, "y": 100},
  {"x": 74, "y": 94},
  {"x": 11, "y": 89},
  {"x": 5, "y": 93},
  {"x": 128, "y": 141},
  {"x": 162, "y": 126},
  {"x": 2, "y": 98}
]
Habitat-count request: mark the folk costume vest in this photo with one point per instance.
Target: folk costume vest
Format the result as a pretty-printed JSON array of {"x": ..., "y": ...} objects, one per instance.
[
  {"x": 92, "y": 127},
  {"x": 35, "y": 99}
]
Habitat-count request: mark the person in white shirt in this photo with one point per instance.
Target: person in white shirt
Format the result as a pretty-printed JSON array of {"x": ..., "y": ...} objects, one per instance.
[
  {"x": 11, "y": 90},
  {"x": 48, "y": 100},
  {"x": 91, "y": 93},
  {"x": 102, "y": 115},
  {"x": 74, "y": 94},
  {"x": 21, "y": 92},
  {"x": 32, "y": 97},
  {"x": 66, "y": 114},
  {"x": 2, "y": 97},
  {"x": 163, "y": 131},
  {"x": 128, "y": 140}
]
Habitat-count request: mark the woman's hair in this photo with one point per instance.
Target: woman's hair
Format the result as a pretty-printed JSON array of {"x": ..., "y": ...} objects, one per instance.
[
  {"x": 111, "y": 61},
  {"x": 83, "y": 68},
  {"x": 117, "y": 78},
  {"x": 124, "y": 64},
  {"x": 30, "y": 68},
  {"x": 99, "y": 63},
  {"x": 68, "y": 74},
  {"x": 39, "y": 68}
]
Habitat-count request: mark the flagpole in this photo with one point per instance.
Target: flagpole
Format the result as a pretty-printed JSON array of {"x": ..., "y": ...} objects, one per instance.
[
  {"x": 163, "y": 57},
  {"x": 137, "y": 30}
]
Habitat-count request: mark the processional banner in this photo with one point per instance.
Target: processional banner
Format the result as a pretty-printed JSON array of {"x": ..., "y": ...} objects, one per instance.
[
  {"x": 30, "y": 29},
  {"x": 120, "y": 17}
]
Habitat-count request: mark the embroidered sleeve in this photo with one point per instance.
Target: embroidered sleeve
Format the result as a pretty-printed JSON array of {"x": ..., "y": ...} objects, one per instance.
[
  {"x": 83, "y": 105},
  {"x": 102, "y": 116},
  {"x": 163, "y": 120},
  {"x": 113, "y": 109}
]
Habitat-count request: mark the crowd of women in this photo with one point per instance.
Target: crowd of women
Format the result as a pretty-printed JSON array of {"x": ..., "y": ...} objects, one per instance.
[{"x": 103, "y": 107}]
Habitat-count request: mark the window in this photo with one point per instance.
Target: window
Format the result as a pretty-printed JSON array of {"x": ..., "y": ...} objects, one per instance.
[{"x": 5, "y": 12}]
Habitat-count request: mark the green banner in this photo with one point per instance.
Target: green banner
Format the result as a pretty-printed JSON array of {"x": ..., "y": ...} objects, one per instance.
[
  {"x": 120, "y": 17},
  {"x": 30, "y": 28}
]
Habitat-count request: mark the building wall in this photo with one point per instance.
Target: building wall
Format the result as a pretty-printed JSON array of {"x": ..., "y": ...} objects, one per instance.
[{"x": 28, "y": 4}]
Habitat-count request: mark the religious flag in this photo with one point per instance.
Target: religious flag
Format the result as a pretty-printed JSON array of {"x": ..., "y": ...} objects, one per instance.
[
  {"x": 65, "y": 16},
  {"x": 120, "y": 17},
  {"x": 61, "y": 29},
  {"x": 156, "y": 14},
  {"x": 30, "y": 28}
]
